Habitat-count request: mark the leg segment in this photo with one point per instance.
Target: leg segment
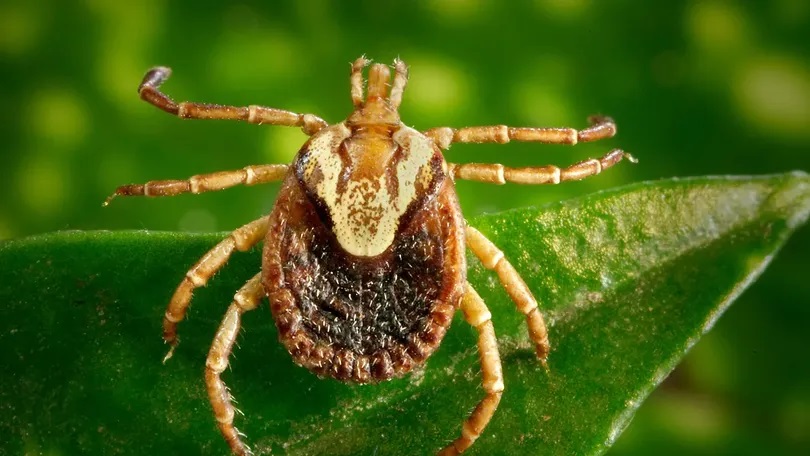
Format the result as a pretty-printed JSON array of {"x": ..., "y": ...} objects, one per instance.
[
  {"x": 477, "y": 314},
  {"x": 247, "y": 298},
  {"x": 249, "y": 175},
  {"x": 241, "y": 239},
  {"x": 400, "y": 81},
  {"x": 492, "y": 258},
  {"x": 149, "y": 92},
  {"x": 496, "y": 173},
  {"x": 601, "y": 128},
  {"x": 356, "y": 79}
]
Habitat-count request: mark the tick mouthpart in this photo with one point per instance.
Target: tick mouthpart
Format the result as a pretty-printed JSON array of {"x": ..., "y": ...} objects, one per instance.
[
  {"x": 378, "y": 77},
  {"x": 376, "y": 93},
  {"x": 378, "y": 109}
]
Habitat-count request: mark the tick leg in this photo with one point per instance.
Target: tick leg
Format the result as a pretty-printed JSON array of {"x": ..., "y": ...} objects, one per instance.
[
  {"x": 493, "y": 259},
  {"x": 601, "y": 127},
  {"x": 495, "y": 173},
  {"x": 477, "y": 314},
  {"x": 247, "y": 298},
  {"x": 150, "y": 92},
  {"x": 241, "y": 239},
  {"x": 249, "y": 175}
]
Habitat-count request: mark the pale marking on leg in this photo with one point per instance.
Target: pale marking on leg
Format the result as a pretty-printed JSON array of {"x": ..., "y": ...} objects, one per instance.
[
  {"x": 253, "y": 114},
  {"x": 555, "y": 179},
  {"x": 196, "y": 279},
  {"x": 171, "y": 317},
  {"x": 500, "y": 175},
  {"x": 250, "y": 177}
]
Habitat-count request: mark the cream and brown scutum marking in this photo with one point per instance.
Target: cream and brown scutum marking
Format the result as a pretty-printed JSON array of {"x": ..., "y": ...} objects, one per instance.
[{"x": 367, "y": 190}]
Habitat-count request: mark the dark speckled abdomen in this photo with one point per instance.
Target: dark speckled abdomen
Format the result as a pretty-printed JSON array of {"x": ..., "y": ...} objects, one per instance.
[{"x": 363, "y": 319}]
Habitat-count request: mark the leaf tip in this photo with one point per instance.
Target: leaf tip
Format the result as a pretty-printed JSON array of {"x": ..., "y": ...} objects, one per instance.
[{"x": 793, "y": 199}]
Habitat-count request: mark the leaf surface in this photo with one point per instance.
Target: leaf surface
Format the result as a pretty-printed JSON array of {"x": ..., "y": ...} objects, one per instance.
[{"x": 629, "y": 279}]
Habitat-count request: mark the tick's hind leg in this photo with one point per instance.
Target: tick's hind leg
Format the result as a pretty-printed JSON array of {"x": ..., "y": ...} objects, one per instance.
[
  {"x": 477, "y": 314},
  {"x": 247, "y": 298},
  {"x": 493, "y": 259},
  {"x": 241, "y": 239}
]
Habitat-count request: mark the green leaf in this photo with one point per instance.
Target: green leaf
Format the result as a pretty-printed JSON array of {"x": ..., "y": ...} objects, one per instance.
[{"x": 629, "y": 279}]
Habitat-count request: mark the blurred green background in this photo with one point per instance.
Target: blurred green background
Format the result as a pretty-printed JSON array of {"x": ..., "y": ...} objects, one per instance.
[{"x": 696, "y": 87}]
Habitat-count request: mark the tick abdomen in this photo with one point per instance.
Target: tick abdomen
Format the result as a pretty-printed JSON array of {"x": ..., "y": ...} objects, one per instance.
[{"x": 357, "y": 318}]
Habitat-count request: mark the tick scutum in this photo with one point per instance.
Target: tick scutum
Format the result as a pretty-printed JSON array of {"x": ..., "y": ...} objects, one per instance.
[{"x": 363, "y": 319}]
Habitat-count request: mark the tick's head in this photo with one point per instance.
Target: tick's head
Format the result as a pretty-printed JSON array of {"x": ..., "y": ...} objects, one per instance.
[{"x": 380, "y": 107}]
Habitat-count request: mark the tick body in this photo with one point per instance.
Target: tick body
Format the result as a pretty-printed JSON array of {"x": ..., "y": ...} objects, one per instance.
[{"x": 364, "y": 251}]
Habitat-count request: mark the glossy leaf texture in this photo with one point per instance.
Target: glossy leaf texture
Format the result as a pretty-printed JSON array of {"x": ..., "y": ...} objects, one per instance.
[{"x": 629, "y": 279}]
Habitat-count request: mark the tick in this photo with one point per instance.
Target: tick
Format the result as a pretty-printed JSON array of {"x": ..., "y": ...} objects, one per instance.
[{"x": 364, "y": 251}]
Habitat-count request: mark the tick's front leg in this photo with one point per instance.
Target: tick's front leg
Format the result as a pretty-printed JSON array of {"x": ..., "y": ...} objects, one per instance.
[{"x": 149, "y": 90}]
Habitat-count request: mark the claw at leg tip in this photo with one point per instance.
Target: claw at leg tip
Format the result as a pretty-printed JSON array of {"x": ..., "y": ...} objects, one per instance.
[
  {"x": 361, "y": 62},
  {"x": 170, "y": 353},
  {"x": 542, "y": 356}
]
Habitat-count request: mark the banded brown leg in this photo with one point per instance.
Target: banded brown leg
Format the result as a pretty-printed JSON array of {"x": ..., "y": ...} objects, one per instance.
[
  {"x": 247, "y": 298},
  {"x": 495, "y": 173},
  {"x": 493, "y": 259},
  {"x": 241, "y": 239},
  {"x": 477, "y": 315},
  {"x": 150, "y": 92},
  {"x": 249, "y": 175},
  {"x": 601, "y": 128}
]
